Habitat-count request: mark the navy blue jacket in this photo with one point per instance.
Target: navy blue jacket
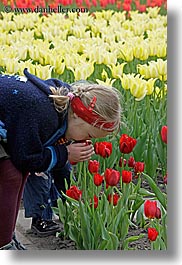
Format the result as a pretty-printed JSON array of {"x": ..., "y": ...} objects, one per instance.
[{"x": 31, "y": 119}]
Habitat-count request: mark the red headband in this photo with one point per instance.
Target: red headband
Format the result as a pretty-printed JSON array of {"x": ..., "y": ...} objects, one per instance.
[{"x": 88, "y": 115}]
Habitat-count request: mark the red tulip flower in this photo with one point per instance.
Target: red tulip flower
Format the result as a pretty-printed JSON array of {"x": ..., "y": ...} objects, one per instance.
[
  {"x": 74, "y": 193},
  {"x": 113, "y": 198},
  {"x": 98, "y": 179},
  {"x": 126, "y": 176},
  {"x": 126, "y": 144},
  {"x": 150, "y": 209},
  {"x": 126, "y": 7},
  {"x": 73, "y": 163},
  {"x": 112, "y": 177},
  {"x": 122, "y": 162},
  {"x": 131, "y": 162},
  {"x": 158, "y": 213},
  {"x": 96, "y": 202},
  {"x": 139, "y": 167},
  {"x": 152, "y": 234},
  {"x": 164, "y": 134},
  {"x": 165, "y": 179},
  {"x": 93, "y": 166},
  {"x": 103, "y": 149}
]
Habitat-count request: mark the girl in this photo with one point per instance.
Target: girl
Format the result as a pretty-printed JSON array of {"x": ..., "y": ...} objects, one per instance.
[{"x": 35, "y": 114}]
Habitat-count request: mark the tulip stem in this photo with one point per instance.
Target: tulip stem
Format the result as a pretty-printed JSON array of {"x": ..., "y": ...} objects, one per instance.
[{"x": 84, "y": 181}]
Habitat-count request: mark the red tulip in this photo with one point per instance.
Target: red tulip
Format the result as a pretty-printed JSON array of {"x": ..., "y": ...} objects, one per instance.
[
  {"x": 73, "y": 163},
  {"x": 113, "y": 198},
  {"x": 103, "y": 149},
  {"x": 126, "y": 7},
  {"x": 98, "y": 179},
  {"x": 93, "y": 166},
  {"x": 165, "y": 179},
  {"x": 152, "y": 234},
  {"x": 74, "y": 193},
  {"x": 112, "y": 177},
  {"x": 139, "y": 167},
  {"x": 158, "y": 213},
  {"x": 164, "y": 134},
  {"x": 131, "y": 162},
  {"x": 126, "y": 176},
  {"x": 122, "y": 162},
  {"x": 142, "y": 8},
  {"x": 96, "y": 202},
  {"x": 150, "y": 209},
  {"x": 126, "y": 144}
]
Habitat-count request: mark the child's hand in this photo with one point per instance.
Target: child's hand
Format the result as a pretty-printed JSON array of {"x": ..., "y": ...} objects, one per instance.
[{"x": 78, "y": 152}]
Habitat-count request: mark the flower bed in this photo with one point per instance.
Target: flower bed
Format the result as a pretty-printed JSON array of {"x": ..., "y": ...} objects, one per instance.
[{"x": 108, "y": 198}]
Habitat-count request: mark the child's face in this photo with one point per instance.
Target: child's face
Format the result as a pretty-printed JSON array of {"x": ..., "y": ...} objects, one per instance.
[{"x": 79, "y": 130}]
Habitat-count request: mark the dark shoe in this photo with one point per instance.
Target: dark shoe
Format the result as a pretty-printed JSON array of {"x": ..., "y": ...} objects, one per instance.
[
  {"x": 44, "y": 227},
  {"x": 10, "y": 246},
  {"x": 17, "y": 243}
]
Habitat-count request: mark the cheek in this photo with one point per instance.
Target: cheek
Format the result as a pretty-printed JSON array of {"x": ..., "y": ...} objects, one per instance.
[{"x": 80, "y": 134}]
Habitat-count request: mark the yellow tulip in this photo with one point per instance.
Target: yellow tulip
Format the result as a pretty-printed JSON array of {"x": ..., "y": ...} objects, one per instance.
[
  {"x": 27, "y": 64},
  {"x": 72, "y": 16},
  {"x": 126, "y": 53},
  {"x": 34, "y": 53},
  {"x": 117, "y": 70},
  {"x": 60, "y": 67},
  {"x": 152, "y": 48},
  {"x": 71, "y": 60},
  {"x": 144, "y": 71},
  {"x": 160, "y": 93},
  {"x": 107, "y": 14},
  {"x": 138, "y": 29},
  {"x": 109, "y": 58},
  {"x": 83, "y": 71},
  {"x": 98, "y": 15},
  {"x": 125, "y": 81},
  {"x": 138, "y": 89},
  {"x": 141, "y": 52},
  {"x": 84, "y": 19},
  {"x": 11, "y": 65},
  {"x": 162, "y": 50},
  {"x": 153, "y": 12},
  {"x": 153, "y": 70},
  {"x": 80, "y": 32},
  {"x": 43, "y": 72},
  {"x": 8, "y": 26},
  {"x": 107, "y": 82},
  {"x": 117, "y": 17},
  {"x": 162, "y": 67},
  {"x": 150, "y": 85}
]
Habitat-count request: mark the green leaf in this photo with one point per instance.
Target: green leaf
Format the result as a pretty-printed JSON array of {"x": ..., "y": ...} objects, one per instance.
[
  {"x": 117, "y": 220},
  {"x": 140, "y": 146},
  {"x": 145, "y": 192},
  {"x": 85, "y": 226},
  {"x": 113, "y": 243},
  {"x": 160, "y": 196}
]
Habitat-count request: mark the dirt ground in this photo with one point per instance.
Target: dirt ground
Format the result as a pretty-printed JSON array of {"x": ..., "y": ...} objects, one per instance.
[
  {"x": 60, "y": 243},
  {"x": 55, "y": 242}
]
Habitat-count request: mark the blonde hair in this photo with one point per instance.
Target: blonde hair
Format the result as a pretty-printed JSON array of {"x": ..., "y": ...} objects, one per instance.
[{"x": 108, "y": 103}]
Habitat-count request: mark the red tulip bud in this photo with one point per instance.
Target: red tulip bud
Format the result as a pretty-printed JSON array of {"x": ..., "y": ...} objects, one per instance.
[{"x": 152, "y": 234}]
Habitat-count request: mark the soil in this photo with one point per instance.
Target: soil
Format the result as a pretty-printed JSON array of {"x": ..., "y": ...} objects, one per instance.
[
  {"x": 60, "y": 243},
  {"x": 54, "y": 242}
]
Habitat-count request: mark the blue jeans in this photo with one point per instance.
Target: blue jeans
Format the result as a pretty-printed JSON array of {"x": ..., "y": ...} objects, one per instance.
[{"x": 42, "y": 191}]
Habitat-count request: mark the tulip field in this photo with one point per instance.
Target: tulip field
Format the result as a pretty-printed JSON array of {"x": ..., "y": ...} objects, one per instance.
[{"x": 123, "y": 44}]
